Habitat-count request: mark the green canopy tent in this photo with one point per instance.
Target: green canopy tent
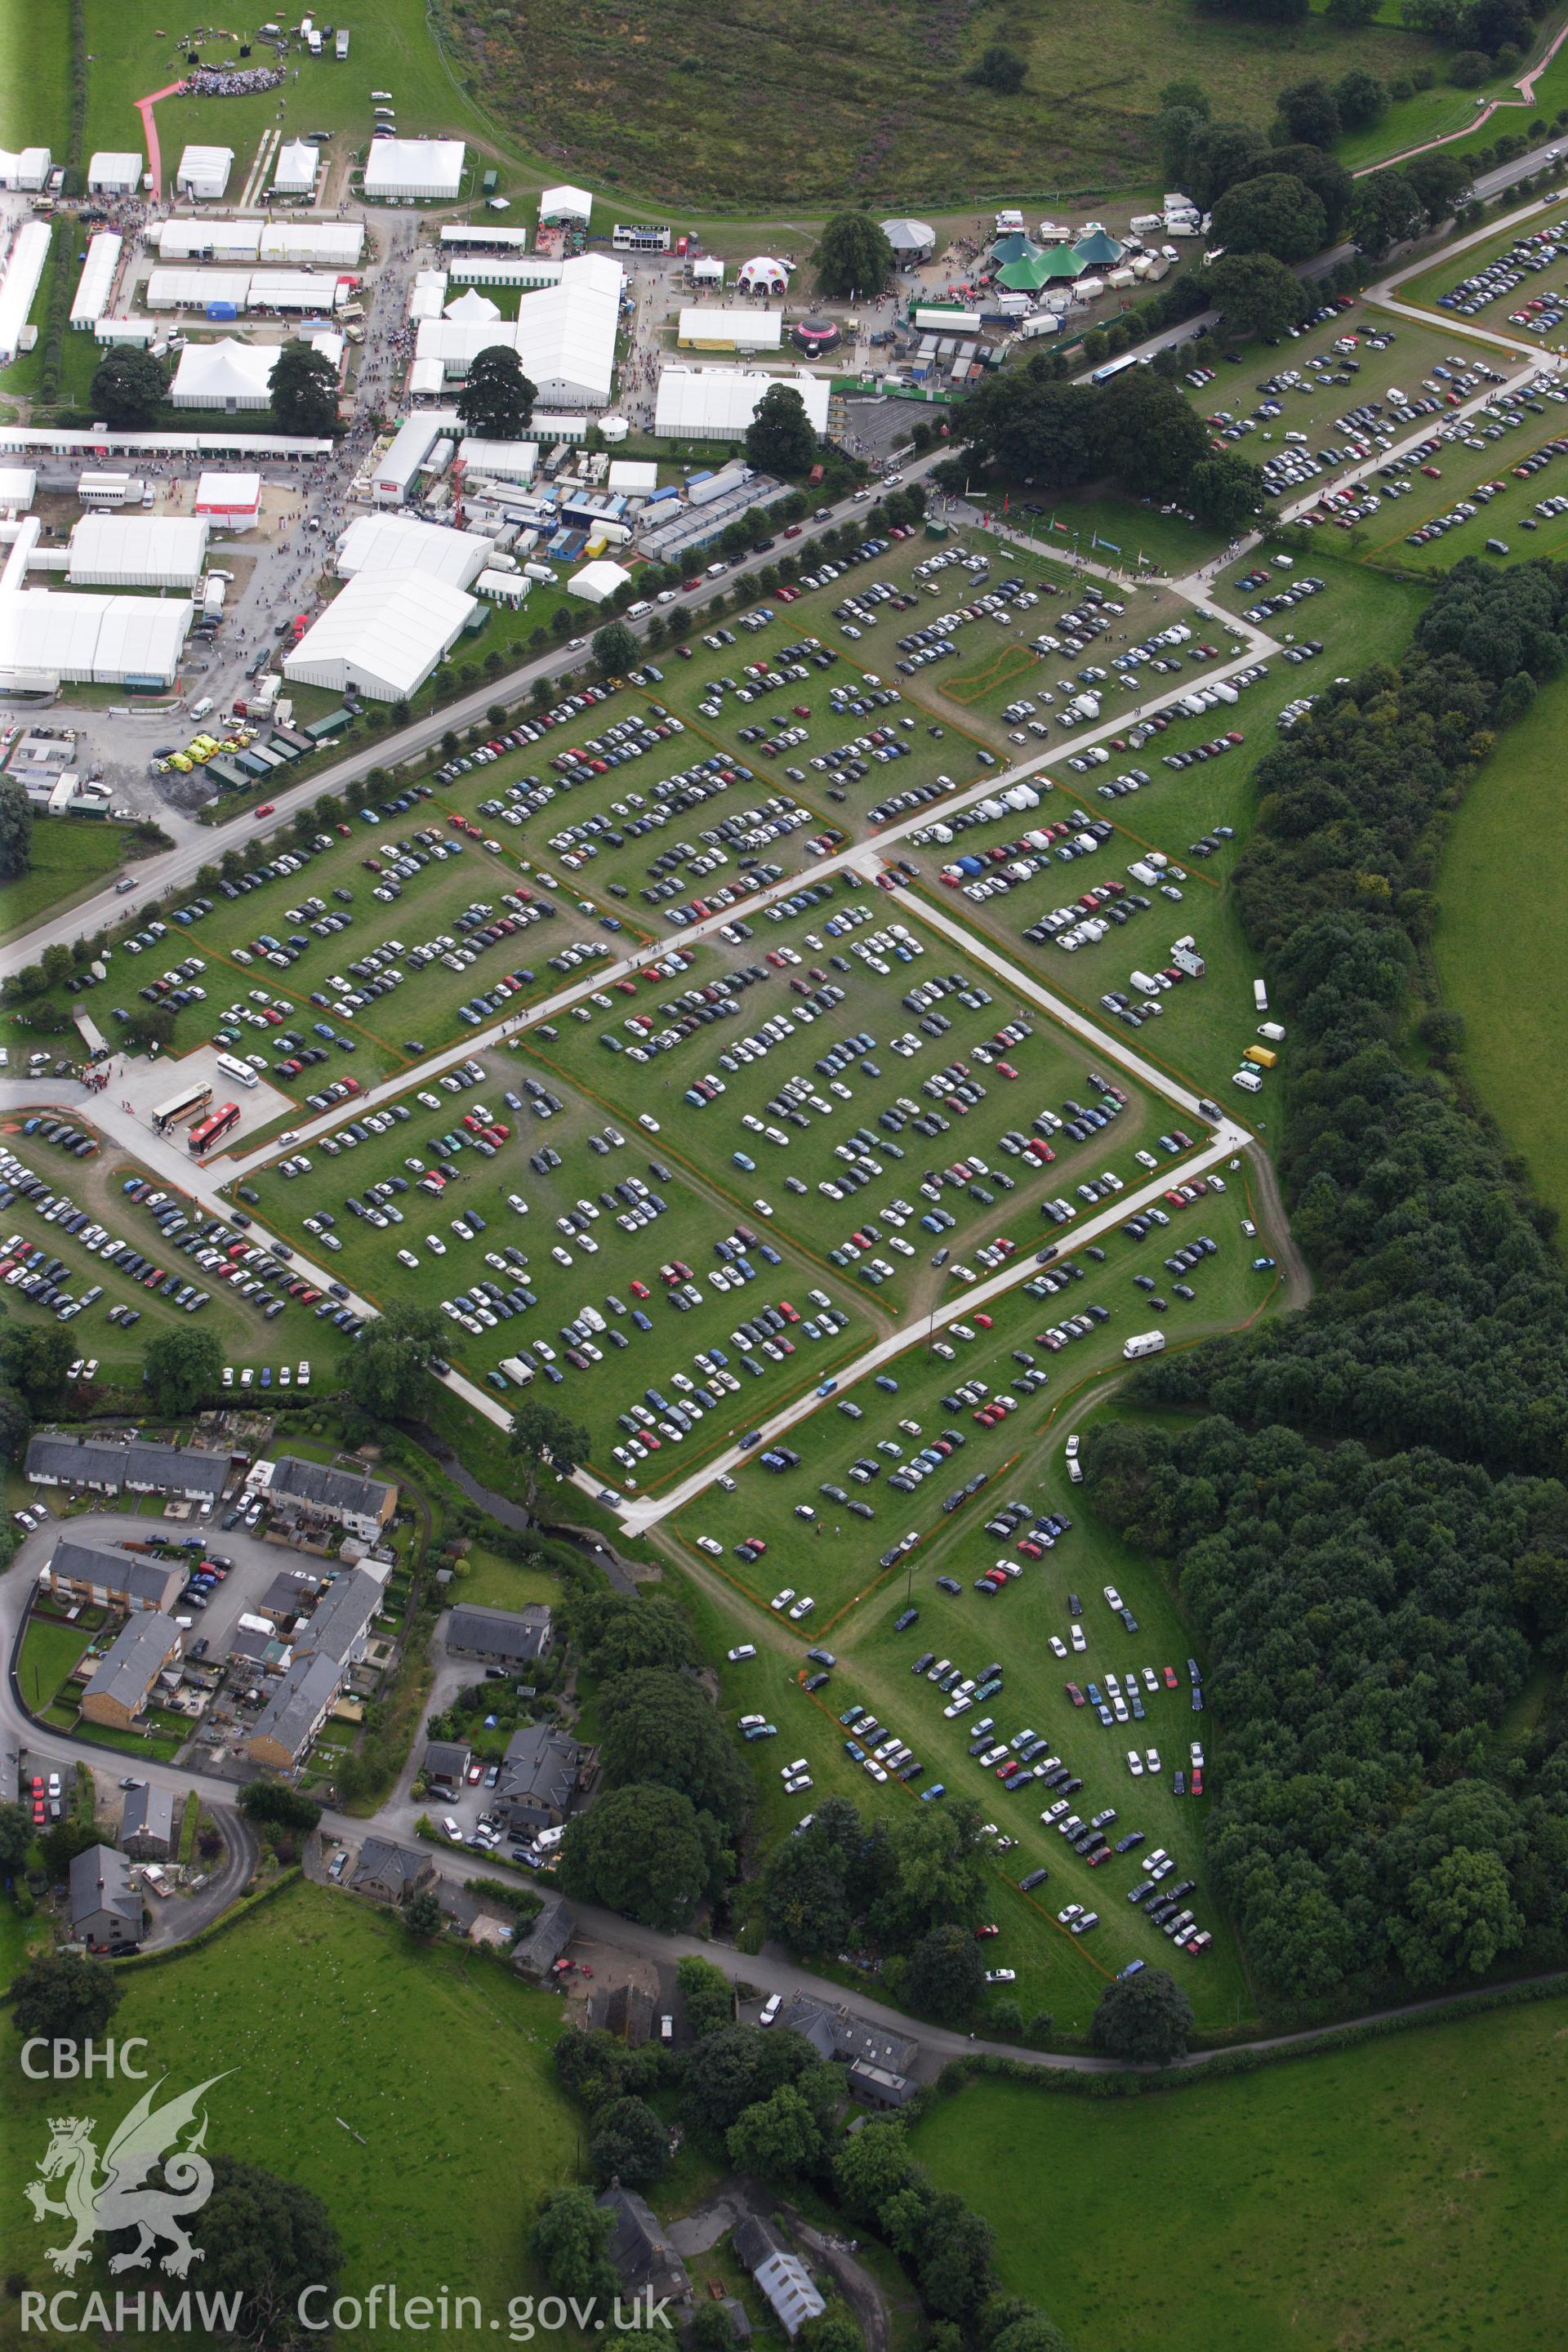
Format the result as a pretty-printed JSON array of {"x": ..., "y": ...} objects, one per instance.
[{"x": 1098, "y": 251}]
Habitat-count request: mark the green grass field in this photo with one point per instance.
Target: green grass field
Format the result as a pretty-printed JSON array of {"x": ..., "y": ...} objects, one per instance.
[
  {"x": 1504, "y": 870},
  {"x": 48, "y": 1653},
  {"x": 436, "y": 2173},
  {"x": 879, "y": 108},
  {"x": 1384, "y": 2197},
  {"x": 71, "y": 858}
]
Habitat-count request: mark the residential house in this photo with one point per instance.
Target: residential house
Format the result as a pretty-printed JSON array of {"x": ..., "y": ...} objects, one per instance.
[
  {"x": 88, "y": 1575},
  {"x": 545, "y": 1939},
  {"x": 190, "y": 1473},
  {"x": 538, "y": 1776},
  {"x": 446, "y": 1765},
  {"x": 105, "y": 1901},
  {"x": 290, "y": 1592},
  {"x": 390, "y": 1873},
  {"x": 297, "y": 1706},
  {"x": 507, "y": 1638},
  {"x": 645, "y": 2260},
  {"x": 123, "y": 1680},
  {"x": 330, "y": 1642},
  {"x": 837, "y": 2033},
  {"x": 879, "y": 2087},
  {"x": 781, "y": 2277},
  {"x": 147, "y": 1823},
  {"x": 315, "y": 1490}
]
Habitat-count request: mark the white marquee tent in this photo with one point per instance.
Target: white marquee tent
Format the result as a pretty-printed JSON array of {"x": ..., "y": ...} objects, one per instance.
[
  {"x": 715, "y": 327},
  {"x": 597, "y": 581},
  {"x": 48, "y": 638},
  {"x": 224, "y": 374},
  {"x": 114, "y": 173},
  {"x": 387, "y": 546},
  {"x": 383, "y": 634},
  {"x": 431, "y": 169},
  {"x": 297, "y": 167},
  {"x": 140, "y": 550},
  {"x": 202, "y": 172},
  {"x": 472, "y": 309},
  {"x": 24, "y": 267},
  {"x": 718, "y": 403},
  {"x": 763, "y": 275},
  {"x": 95, "y": 283},
  {"x": 565, "y": 202}
]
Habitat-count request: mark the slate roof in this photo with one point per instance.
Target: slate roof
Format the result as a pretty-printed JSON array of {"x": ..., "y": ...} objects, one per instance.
[
  {"x": 101, "y": 1880},
  {"x": 502, "y": 1635},
  {"x": 143, "y": 1644},
  {"x": 118, "y": 1571},
  {"x": 295, "y": 1702},
  {"x": 326, "y": 1488},
  {"x": 149, "y": 1811}
]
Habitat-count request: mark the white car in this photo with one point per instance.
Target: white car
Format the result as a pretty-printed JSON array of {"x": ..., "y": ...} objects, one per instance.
[
  {"x": 743, "y": 1650},
  {"x": 1113, "y": 1598},
  {"x": 711, "y": 1545},
  {"x": 1058, "y": 1647},
  {"x": 750, "y": 1722},
  {"x": 1001, "y": 1976},
  {"x": 1151, "y": 1758},
  {"x": 646, "y": 1119},
  {"x": 803, "y": 1607},
  {"x": 770, "y": 2008},
  {"x": 1066, "y": 1916},
  {"x": 1072, "y": 1448},
  {"x": 229, "y": 1376},
  {"x": 1135, "y": 1763},
  {"x": 782, "y": 1599},
  {"x": 788, "y": 1771},
  {"x": 1196, "y": 1752},
  {"x": 1078, "y": 1638}
]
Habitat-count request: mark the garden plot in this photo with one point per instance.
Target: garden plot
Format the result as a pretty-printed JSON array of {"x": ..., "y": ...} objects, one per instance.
[
  {"x": 80, "y": 1253},
  {"x": 917, "y": 1447},
  {"x": 521, "y": 1209}
]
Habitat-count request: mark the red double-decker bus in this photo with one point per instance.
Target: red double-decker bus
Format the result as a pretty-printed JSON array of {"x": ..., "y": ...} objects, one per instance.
[{"x": 211, "y": 1130}]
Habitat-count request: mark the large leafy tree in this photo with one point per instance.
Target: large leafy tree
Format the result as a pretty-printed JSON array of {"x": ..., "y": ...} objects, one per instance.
[
  {"x": 1324, "y": 175},
  {"x": 630, "y": 2143},
  {"x": 569, "y": 2239},
  {"x": 35, "y": 1360},
  {"x": 1310, "y": 111},
  {"x": 388, "y": 1369},
  {"x": 780, "y": 438},
  {"x": 778, "y": 2137},
  {"x": 1145, "y": 2018},
  {"x": 266, "y": 2241},
  {"x": 706, "y": 1995},
  {"x": 542, "y": 1438},
  {"x": 853, "y": 256},
  {"x": 662, "y": 1731},
  {"x": 15, "y": 830},
  {"x": 1222, "y": 153},
  {"x": 128, "y": 387},
  {"x": 1276, "y": 214},
  {"x": 946, "y": 1974},
  {"x": 647, "y": 1851},
  {"x": 616, "y": 1633},
  {"x": 616, "y": 649},
  {"x": 1225, "y": 490},
  {"x": 15, "y": 1837},
  {"x": 64, "y": 1997},
  {"x": 1258, "y": 295},
  {"x": 496, "y": 403},
  {"x": 304, "y": 391},
  {"x": 180, "y": 1366},
  {"x": 737, "y": 2067}
]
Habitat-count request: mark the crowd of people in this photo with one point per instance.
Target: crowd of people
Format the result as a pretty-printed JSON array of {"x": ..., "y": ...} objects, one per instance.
[{"x": 230, "y": 81}]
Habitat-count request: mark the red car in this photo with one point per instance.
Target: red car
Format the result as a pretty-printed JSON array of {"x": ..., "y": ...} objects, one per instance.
[
  {"x": 640, "y": 1290},
  {"x": 1197, "y": 1783},
  {"x": 1074, "y": 1692},
  {"x": 268, "y": 808},
  {"x": 983, "y": 1321},
  {"x": 981, "y": 1933},
  {"x": 1170, "y": 1675}
]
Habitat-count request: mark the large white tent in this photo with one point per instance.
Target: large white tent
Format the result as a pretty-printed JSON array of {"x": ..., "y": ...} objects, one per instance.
[
  {"x": 382, "y": 635},
  {"x": 330, "y": 244},
  {"x": 48, "y": 639},
  {"x": 564, "y": 335},
  {"x": 504, "y": 461},
  {"x": 472, "y": 309},
  {"x": 598, "y": 581},
  {"x": 718, "y": 327},
  {"x": 386, "y": 546},
  {"x": 114, "y": 172},
  {"x": 140, "y": 550},
  {"x": 27, "y": 171},
  {"x": 209, "y": 240},
  {"x": 95, "y": 283},
  {"x": 431, "y": 169},
  {"x": 24, "y": 267},
  {"x": 232, "y": 500},
  {"x": 224, "y": 374},
  {"x": 718, "y": 403},
  {"x": 912, "y": 240},
  {"x": 762, "y": 275},
  {"x": 565, "y": 202},
  {"x": 18, "y": 485},
  {"x": 202, "y": 172},
  {"x": 297, "y": 165}
]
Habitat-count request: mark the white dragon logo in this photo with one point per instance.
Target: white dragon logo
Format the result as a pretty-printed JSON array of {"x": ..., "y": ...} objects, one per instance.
[{"x": 122, "y": 2201}]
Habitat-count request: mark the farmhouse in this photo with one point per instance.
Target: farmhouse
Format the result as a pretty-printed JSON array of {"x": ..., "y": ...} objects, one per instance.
[
  {"x": 105, "y": 1901},
  {"x": 128, "y": 1669},
  {"x": 188, "y": 1472},
  {"x": 147, "y": 1824},
  {"x": 540, "y": 1945},
  {"x": 644, "y": 2257},
  {"x": 315, "y": 1490},
  {"x": 389, "y": 1873},
  {"x": 499, "y": 1637},
  {"x": 837, "y": 2033},
  {"x": 91, "y": 1575},
  {"x": 538, "y": 1776},
  {"x": 781, "y": 2277}
]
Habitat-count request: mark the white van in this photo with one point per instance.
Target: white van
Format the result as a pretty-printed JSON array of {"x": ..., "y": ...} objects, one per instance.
[
  {"x": 1248, "y": 1081},
  {"x": 453, "y": 1831},
  {"x": 200, "y": 710},
  {"x": 1144, "y": 1343}
]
